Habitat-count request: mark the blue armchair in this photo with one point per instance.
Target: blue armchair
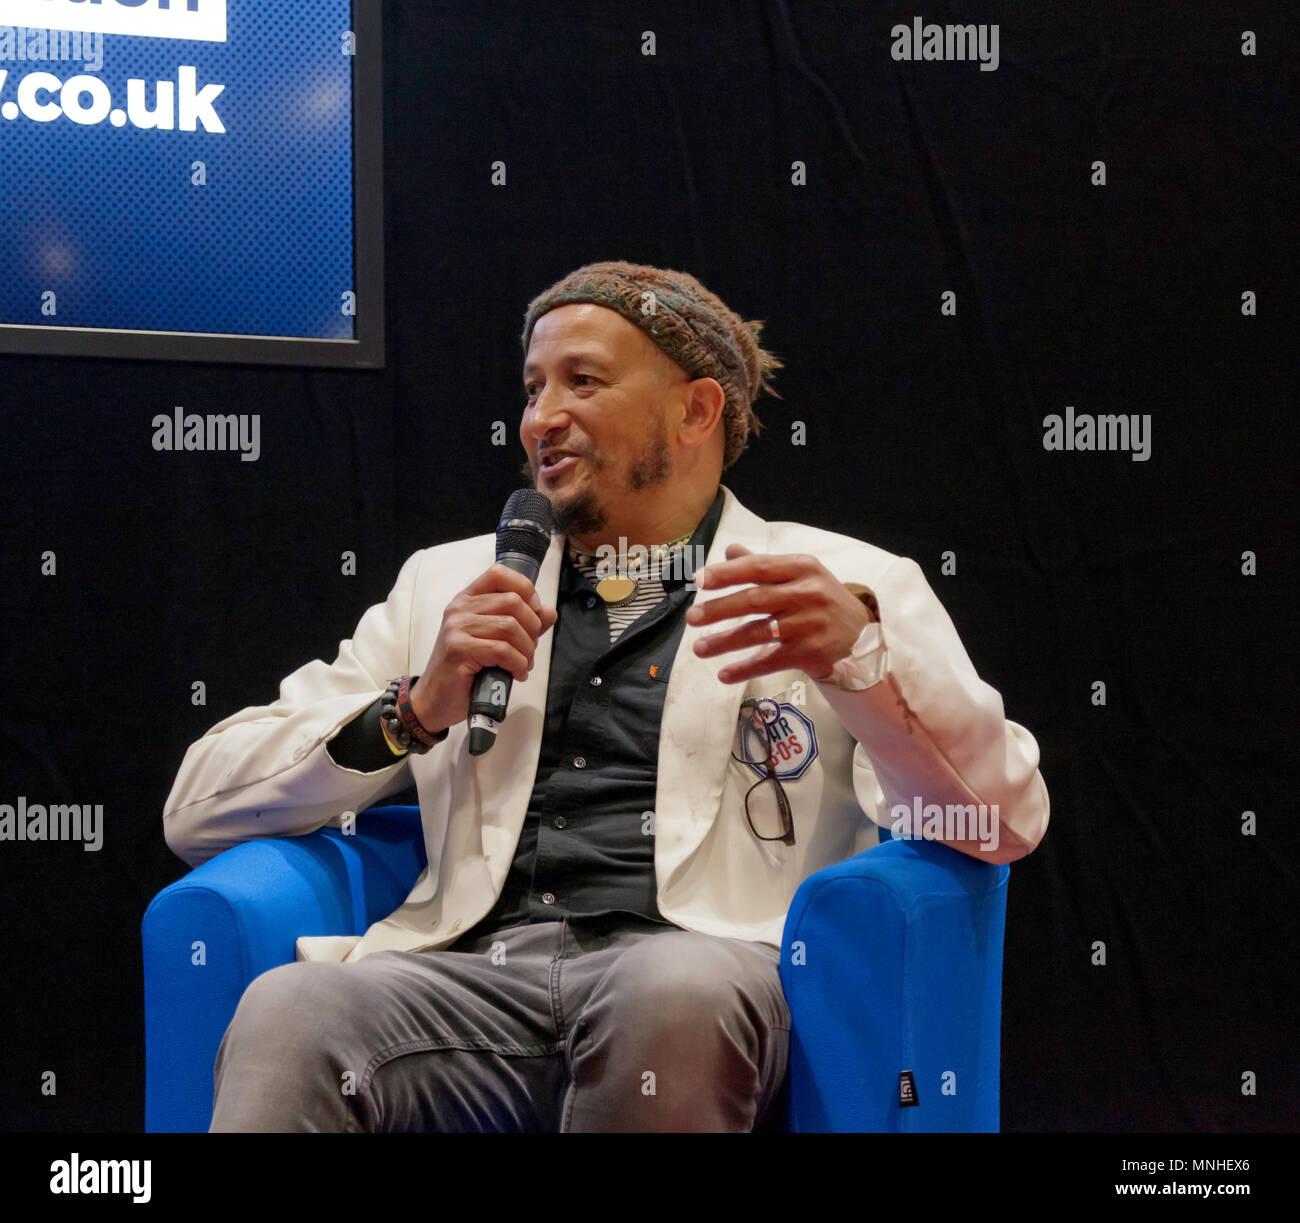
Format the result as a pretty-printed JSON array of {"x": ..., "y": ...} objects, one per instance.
[{"x": 891, "y": 962}]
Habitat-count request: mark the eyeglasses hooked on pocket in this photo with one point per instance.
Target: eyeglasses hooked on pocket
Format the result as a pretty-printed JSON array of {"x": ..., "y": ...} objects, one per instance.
[{"x": 767, "y": 806}]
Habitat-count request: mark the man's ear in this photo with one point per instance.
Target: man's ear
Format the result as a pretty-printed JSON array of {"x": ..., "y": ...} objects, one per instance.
[{"x": 705, "y": 400}]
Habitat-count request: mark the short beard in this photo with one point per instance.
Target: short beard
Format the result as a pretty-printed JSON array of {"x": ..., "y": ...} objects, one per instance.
[
  {"x": 651, "y": 468},
  {"x": 580, "y": 515},
  {"x": 584, "y": 514}
]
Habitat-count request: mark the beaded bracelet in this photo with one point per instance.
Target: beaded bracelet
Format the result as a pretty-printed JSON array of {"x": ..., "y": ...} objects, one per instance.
[{"x": 399, "y": 718}]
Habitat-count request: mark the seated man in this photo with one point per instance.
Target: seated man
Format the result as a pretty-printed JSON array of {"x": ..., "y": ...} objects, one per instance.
[{"x": 594, "y": 943}]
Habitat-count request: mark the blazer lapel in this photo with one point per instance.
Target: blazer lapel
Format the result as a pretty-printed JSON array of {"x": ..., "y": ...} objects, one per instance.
[{"x": 700, "y": 716}]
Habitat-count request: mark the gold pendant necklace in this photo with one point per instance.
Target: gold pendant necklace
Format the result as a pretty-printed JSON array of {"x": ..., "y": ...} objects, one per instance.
[
  {"x": 619, "y": 588},
  {"x": 616, "y": 590}
]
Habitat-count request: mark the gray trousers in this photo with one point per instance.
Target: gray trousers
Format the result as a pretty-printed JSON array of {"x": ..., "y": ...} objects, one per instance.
[{"x": 611, "y": 1023}]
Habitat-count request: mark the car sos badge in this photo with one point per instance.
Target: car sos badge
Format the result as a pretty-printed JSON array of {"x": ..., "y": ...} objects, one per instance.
[{"x": 790, "y": 733}]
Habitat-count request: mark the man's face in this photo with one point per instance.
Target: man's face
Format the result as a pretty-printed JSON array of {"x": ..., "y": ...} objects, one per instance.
[{"x": 594, "y": 423}]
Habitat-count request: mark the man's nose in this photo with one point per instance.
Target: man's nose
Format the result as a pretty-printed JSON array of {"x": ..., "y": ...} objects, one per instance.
[{"x": 547, "y": 411}]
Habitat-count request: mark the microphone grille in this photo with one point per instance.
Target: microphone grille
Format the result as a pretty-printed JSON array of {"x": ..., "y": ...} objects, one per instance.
[{"x": 525, "y": 524}]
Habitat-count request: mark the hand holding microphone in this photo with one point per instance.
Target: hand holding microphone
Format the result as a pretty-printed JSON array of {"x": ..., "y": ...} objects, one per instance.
[{"x": 490, "y": 630}]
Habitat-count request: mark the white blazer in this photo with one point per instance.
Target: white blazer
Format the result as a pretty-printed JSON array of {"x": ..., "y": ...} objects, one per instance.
[{"x": 904, "y": 721}]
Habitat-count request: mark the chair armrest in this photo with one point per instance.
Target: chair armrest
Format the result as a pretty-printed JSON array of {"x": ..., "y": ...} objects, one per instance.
[
  {"x": 892, "y": 961},
  {"x": 206, "y": 936}
]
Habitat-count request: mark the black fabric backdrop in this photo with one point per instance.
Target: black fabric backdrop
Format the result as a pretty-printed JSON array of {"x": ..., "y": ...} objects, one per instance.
[{"x": 924, "y": 434}]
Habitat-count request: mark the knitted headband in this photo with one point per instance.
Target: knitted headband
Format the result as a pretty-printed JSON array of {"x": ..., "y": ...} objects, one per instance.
[{"x": 686, "y": 321}]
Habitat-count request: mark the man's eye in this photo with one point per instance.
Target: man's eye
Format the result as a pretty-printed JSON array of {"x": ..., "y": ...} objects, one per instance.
[{"x": 530, "y": 389}]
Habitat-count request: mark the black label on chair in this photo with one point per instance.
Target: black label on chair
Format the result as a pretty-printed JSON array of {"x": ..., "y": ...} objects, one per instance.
[{"x": 907, "y": 1090}]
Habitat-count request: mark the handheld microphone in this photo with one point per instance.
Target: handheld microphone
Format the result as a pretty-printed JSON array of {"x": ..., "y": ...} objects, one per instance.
[{"x": 523, "y": 539}]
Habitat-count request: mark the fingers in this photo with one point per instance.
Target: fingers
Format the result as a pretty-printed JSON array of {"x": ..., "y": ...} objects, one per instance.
[
  {"x": 794, "y": 649},
  {"x": 494, "y": 652},
  {"x": 745, "y": 636},
  {"x": 510, "y": 604},
  {"x": 767, "y": 661},
  {"x": 501, "y": 578},
  {"x": 507, "y": 629},
  {"x": 500, "y": 590},
  {"x": 754, "y": 567},
  {"x": 754, "y": 600},
  {"x": 499, "y": 619}
]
